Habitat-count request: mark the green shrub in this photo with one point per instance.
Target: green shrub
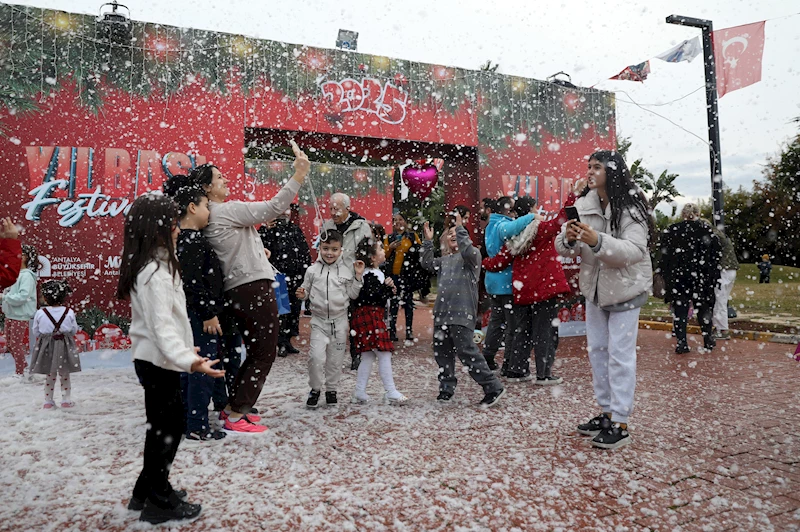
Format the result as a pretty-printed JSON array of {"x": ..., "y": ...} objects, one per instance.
[
  {"x": 120, "y": 321},
  {"x": 91, "y": 319}
]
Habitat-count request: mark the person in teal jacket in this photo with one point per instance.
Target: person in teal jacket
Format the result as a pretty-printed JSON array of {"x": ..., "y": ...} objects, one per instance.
[
  {"x": 19, "y": 306},
  {"x": 500, "y": 228}
]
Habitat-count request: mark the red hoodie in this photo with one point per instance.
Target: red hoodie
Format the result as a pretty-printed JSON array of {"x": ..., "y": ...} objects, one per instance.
[
  {"x": 10, "y": 261},
  {"x": 537, "y": 274}
]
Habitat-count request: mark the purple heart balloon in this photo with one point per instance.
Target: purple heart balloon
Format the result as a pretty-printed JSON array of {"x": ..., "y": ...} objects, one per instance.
[{"x": 420, "y": 180}]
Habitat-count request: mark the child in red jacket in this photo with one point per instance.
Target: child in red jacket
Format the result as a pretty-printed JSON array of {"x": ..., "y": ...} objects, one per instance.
[{"x": 537, "y": 282}]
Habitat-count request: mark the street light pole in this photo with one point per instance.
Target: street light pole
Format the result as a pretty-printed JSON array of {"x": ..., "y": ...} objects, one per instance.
[{"x": 711, "y": 108}]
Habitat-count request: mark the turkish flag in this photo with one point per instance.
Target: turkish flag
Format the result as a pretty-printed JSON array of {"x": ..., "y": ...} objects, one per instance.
[{"x": 738, "y": 52}]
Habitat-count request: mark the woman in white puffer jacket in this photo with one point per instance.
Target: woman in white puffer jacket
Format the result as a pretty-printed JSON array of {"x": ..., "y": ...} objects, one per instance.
[{"x": 612, "y": 239}]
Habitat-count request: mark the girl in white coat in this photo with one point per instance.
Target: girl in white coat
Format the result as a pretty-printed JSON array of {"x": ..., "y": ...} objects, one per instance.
[
  {"x": 162, "y": 347},
  {"x": 612, "y": 238}
]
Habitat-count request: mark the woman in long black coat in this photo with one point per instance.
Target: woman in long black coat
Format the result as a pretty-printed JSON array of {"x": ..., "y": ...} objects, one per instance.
[{"x": 690, "y": 264}]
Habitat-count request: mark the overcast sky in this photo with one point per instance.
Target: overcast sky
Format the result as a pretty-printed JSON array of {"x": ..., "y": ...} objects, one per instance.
[{"x": 591, "y": 40}]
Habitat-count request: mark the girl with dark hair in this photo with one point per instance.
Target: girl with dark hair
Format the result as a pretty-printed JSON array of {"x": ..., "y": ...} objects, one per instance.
[
  {"x": 248, "y": 277},
  {"x": 162, "y": 347},
  {"x": 19, "y": 306},
  {"x": 612, "y": 238},
  {"x": 370, "y": 336},
  {"x": 55, "y": 355}
]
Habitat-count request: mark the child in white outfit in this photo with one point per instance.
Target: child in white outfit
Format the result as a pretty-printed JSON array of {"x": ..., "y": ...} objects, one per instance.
[
  {"x": 370, "y": 335},
  {"x": 55, "y": 355},
  {"x": 329, "y": 285}
]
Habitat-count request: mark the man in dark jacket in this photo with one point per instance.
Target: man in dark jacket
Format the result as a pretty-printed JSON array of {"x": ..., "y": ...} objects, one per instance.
[
  {"x": 290, "y": 255},
  {"x": 691, "y": 254}
]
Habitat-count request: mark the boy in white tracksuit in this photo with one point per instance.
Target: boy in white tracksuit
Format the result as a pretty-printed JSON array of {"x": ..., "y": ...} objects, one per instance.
[{"x": 329, "y": 285}]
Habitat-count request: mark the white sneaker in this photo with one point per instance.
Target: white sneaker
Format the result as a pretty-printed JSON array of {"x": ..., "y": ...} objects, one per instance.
[
  {"x": 408, "y": 343},
  {"x": 398, "y": 399},
  {"x": 359, "y": 399}
]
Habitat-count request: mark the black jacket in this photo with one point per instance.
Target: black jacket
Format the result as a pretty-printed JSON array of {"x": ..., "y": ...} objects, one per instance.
[
  {"x": 288, "y": 246},
  {"x": 373, "y": 292},
  {"x": 691, "y": 254},
  {"x": 201, "y": 273}
]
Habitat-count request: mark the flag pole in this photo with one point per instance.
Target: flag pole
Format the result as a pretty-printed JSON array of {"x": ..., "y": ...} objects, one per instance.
[{"x": 709, "y": 61}]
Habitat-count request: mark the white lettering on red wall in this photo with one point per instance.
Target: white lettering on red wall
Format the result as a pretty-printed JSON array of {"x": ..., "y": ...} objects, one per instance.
[
  {"x": 67, "y": 178},
  {"x": 388, "y": 103}
]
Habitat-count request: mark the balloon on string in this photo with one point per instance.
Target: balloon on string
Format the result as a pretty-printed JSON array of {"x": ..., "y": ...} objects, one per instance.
[{"x": 420, "y": 178}]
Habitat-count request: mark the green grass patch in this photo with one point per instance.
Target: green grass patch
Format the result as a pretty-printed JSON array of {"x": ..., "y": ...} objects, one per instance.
[{"x": 781, "y": 297}]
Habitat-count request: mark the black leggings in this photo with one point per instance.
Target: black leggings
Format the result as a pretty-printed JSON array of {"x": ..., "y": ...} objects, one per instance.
[{"x": 166, "y": 423}]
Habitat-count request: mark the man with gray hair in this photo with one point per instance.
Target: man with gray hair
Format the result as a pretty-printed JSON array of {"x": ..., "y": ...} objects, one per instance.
[{"x": 353, "y": 227}]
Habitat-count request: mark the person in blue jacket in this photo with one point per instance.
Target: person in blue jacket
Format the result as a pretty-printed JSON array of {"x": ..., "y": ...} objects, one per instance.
[{"x": 500, "y": 228}]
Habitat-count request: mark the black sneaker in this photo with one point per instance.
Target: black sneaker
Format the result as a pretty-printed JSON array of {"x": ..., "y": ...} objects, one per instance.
[
  {"x": 612, "y": 436},
  {"x": 709, "y": 344},
  {"x": 682, "y": 349},
  {"x": 393, "y": 337},
  {"x": 210, "y": 435},
  {"x": 292, "y": 350},
  {"x": 137, "y": 505},
  {"x": 492, "y": 398},
  {"x": 593, "y": 426},
  {"x": 330, "y": 398},
  {"x": 549, "y": 381},
  {"x": 513, "y": 376},
  {"x": 180, "y": 512},
  {"x": 504, "y": 370},
  {"x": 282, "y": 352},
  {"x": 253, "y": 410},
  {"x": 313, "y": 399},
  {"x": 444, "y": 397},
  {"x": 492, "y": 364}
]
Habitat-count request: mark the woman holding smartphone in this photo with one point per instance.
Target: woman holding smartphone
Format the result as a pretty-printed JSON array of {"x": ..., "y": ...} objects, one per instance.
[{"x": 616, "y": 274}]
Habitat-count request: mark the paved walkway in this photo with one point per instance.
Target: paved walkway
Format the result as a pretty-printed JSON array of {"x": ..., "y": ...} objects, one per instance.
[{"x": 716, "y": 447}]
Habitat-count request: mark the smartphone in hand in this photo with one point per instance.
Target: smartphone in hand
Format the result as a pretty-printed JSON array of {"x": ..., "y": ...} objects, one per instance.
[{"x": 572, "y": 213}]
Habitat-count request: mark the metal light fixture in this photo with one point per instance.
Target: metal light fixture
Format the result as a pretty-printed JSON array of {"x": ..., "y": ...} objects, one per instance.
[{"x": 115, "y": 25}]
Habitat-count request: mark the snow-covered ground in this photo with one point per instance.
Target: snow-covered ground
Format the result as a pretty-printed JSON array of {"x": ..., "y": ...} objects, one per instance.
[{"x": 422, "y": 466}]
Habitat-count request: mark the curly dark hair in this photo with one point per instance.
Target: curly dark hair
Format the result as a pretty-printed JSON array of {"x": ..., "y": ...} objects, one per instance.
[
  {"x": 55, "y": 292},
  {"x": 31, "y": 257},
  {"x": 365, "y": 250}
]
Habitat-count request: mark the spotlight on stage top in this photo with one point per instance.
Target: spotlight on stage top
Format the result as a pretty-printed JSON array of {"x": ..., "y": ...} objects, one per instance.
[
  {"x": 347, "y": 40},
  {"x": 115, "y": 25}
]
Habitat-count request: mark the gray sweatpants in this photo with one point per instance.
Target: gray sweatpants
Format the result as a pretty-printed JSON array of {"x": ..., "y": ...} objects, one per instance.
[
  {"x": 328, "y": 340},
  {"x": 450, "y": 341},
  {"x": 611, "y": 338}
]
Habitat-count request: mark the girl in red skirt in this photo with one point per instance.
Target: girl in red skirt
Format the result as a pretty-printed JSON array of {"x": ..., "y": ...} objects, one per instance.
[{"x": 369, "y": 333}]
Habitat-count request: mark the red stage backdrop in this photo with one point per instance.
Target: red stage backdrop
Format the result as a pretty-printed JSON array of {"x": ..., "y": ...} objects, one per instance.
[{"x": 90, "y": 121}]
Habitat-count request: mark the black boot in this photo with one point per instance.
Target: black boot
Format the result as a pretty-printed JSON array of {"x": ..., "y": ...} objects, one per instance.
[
  {"x": 355, "y": 362},
  {"x": 178, "y": 512}
]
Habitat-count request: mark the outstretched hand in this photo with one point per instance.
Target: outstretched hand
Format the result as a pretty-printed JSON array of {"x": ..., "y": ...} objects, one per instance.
[
  {"x": 301, "y": 163},
  {"x": 427, "y": 232},
  {"x": 203, "y": 365},
  {"x": 8, "y": 229}
]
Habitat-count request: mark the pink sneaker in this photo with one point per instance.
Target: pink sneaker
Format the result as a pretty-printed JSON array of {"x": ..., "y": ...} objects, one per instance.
[
  {"x": 223, "y": 416},
  {"x": 49, "y": 405},
  {"x": 244, "y": 425},
  {"x": 68, "y": 404}
]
